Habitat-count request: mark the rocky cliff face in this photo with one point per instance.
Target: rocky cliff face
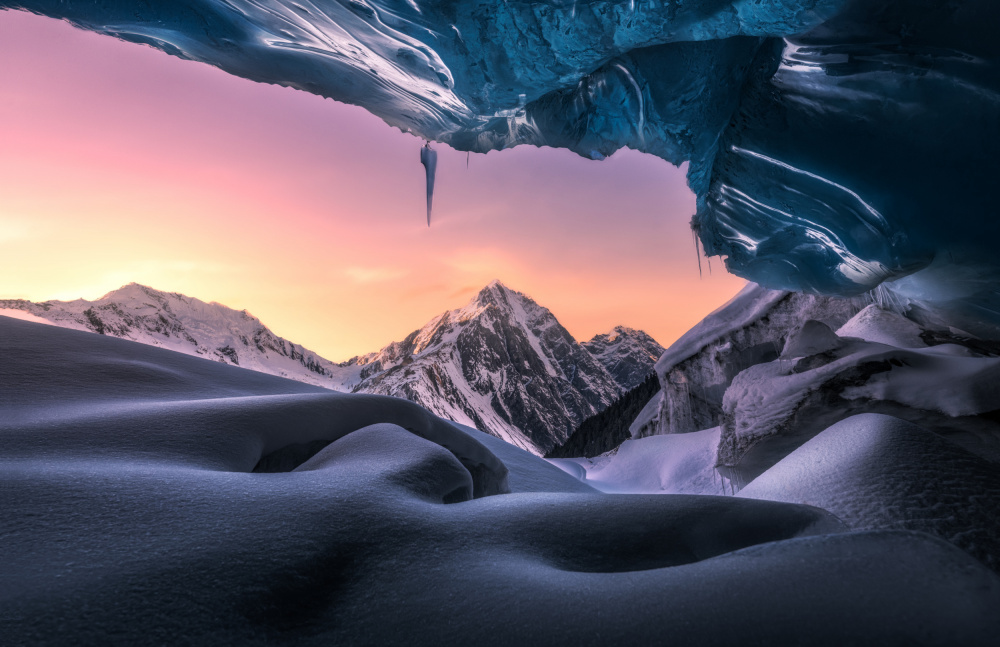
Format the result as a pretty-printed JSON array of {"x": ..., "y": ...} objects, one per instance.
[
  {"x": 502, "y": 364},
  {"x": 696, "y": 370}
]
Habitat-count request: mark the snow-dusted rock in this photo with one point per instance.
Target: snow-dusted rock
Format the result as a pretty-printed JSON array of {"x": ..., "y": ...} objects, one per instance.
[{"x": 751, "y": 328}]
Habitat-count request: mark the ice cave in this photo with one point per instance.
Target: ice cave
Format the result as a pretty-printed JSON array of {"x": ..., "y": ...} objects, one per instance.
[{"x": 843, "y": 154}]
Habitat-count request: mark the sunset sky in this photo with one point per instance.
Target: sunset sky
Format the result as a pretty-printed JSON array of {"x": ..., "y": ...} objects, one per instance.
[{"x": 119, "y": 163}]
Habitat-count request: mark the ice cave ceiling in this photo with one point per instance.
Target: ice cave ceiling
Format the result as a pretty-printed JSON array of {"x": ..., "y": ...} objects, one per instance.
[{"x": 833, "y": 144}]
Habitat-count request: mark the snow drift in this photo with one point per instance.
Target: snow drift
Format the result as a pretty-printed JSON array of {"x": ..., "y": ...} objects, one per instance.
[
  {"x": 132, "y": 511},
  {"x": 874, "y": 471}
]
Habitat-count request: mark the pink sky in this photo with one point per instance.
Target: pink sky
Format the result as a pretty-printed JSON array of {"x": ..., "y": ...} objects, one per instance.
[{"x": 119, "y": 163}]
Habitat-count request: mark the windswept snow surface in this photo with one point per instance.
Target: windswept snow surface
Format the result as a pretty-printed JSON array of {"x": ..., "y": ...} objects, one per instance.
[
  {"x": 826, "y": 138},
  {"x": 132, "y": 515},
  {"x": 875, "y": 471}
]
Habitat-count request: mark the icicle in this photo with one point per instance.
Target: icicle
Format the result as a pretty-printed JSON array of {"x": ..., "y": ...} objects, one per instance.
[
  {"x": 467, "y": 154},
  {"x": 697, "y": 251},
  {"x": 709, "y": 259},
  {"x": 429, "y": 158}
]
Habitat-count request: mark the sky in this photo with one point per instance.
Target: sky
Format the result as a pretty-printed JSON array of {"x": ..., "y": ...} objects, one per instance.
[{"x": 119, "y": 163}]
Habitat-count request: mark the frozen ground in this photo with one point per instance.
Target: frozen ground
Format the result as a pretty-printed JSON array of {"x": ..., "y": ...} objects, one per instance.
[{"x": 132, "y": 514}]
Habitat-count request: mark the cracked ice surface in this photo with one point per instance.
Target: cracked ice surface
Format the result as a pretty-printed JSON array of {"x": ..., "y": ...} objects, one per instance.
[{"x": 834, "y": 144}]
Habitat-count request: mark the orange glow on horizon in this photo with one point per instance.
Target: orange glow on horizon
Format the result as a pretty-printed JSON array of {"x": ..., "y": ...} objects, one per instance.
[{"x": 119, "y": 163}]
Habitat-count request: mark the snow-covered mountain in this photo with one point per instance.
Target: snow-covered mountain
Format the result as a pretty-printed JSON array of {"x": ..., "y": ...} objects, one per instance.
[
  {"x": 627, "y": 353},
  {"x": 191, "y": 326},
  {"x": 501, "y": 363}
]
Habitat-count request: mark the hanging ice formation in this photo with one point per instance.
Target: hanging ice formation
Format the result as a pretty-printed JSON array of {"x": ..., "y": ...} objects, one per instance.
[
  {"x": 833, "y": 145},
  {"x": 429, "y": 158}
]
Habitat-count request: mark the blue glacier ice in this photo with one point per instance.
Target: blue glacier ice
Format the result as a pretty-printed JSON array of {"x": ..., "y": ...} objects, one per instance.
[{"x": 834, "y": 145}]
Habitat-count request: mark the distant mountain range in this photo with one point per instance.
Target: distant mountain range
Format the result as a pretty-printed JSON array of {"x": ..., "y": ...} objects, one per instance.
[{"x": 502, "y": 363}]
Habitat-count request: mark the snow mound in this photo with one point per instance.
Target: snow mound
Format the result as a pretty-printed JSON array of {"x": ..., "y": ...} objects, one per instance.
[
  {"x": 133, "y": 515},
  {"x": 875, "y": 471}
]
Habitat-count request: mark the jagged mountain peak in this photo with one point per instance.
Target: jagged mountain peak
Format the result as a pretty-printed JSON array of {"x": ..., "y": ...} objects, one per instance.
[
  {"x": 501, "y": 363},
  {"x": 498, "y": 295},
  {"x": 620, "y": 331},
  {"x": 628, "y": 354}
]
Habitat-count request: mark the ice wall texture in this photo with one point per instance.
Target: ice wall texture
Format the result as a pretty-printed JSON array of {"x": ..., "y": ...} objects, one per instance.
[{"x": 834, "y": 144}]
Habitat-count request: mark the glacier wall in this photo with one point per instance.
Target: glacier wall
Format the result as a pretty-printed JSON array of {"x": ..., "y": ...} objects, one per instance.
[{"x": 833, "y": 144}]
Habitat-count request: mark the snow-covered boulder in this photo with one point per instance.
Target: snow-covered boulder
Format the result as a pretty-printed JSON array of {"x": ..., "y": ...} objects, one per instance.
[{"x": 772, "y": 408}]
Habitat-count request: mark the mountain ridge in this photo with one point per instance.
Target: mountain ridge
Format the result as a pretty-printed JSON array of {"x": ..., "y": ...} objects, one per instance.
[{"x": 501, "y": 362}]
